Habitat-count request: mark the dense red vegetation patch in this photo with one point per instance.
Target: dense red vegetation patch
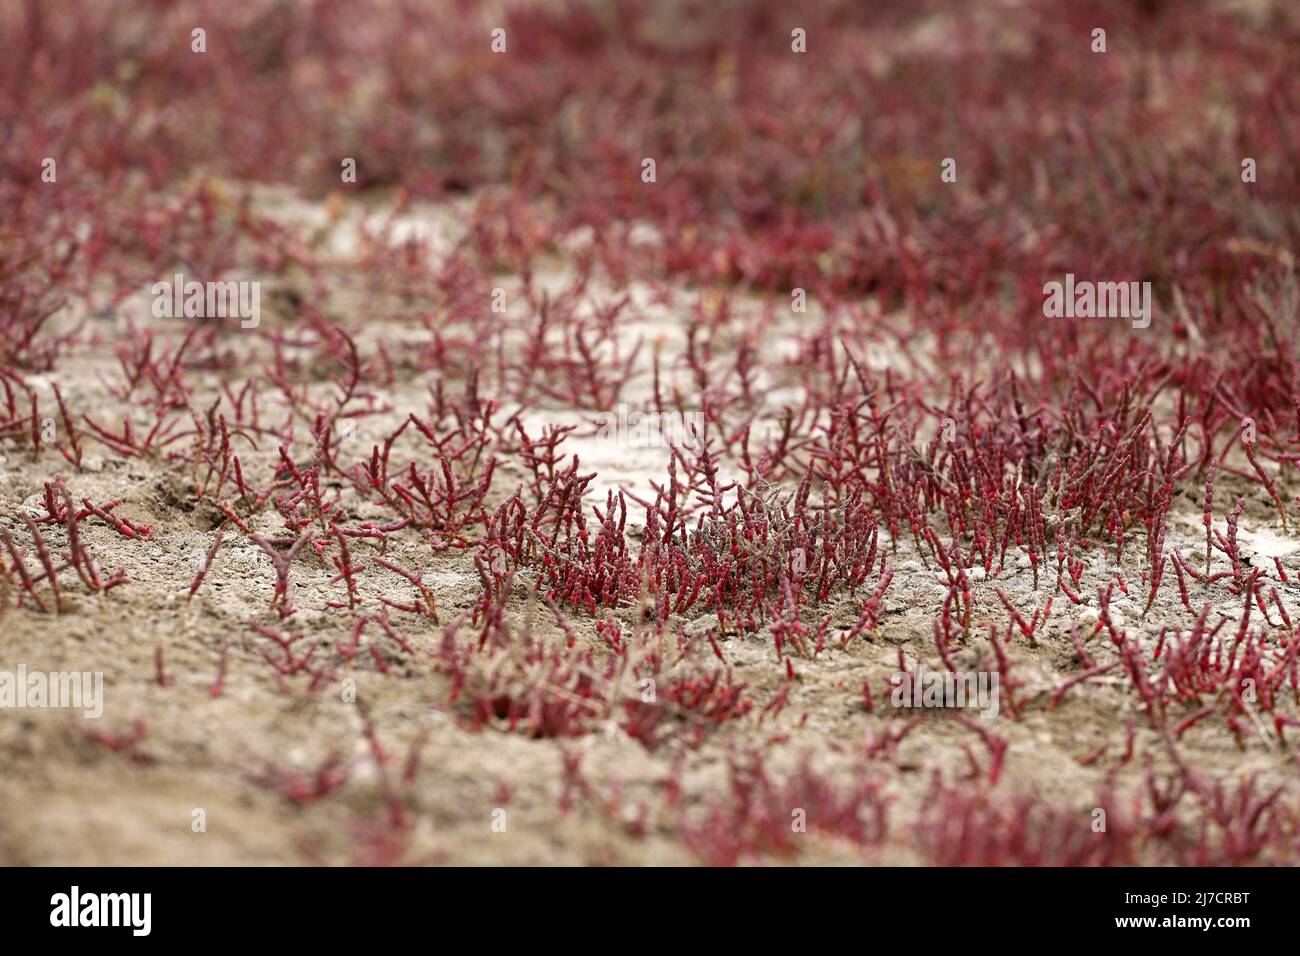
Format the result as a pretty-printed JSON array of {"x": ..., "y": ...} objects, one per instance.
[{"x": 923, "y": 420}]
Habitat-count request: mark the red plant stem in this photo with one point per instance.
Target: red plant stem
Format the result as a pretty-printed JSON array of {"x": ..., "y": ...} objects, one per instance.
[
  {"x": 160, "y": 673},
  {"x": 207, "y": 563},
  {"x": 220, "y": 682},
  {"x": 1091, "y": 672},
  {"x": 46, "y": 562}
]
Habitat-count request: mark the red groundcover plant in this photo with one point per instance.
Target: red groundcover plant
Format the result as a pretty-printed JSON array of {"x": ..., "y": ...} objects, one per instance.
[{"x": 831, "y": 263}]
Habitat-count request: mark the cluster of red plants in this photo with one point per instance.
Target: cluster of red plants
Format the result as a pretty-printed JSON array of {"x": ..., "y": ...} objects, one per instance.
[{"x": 922, "y": 426}]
